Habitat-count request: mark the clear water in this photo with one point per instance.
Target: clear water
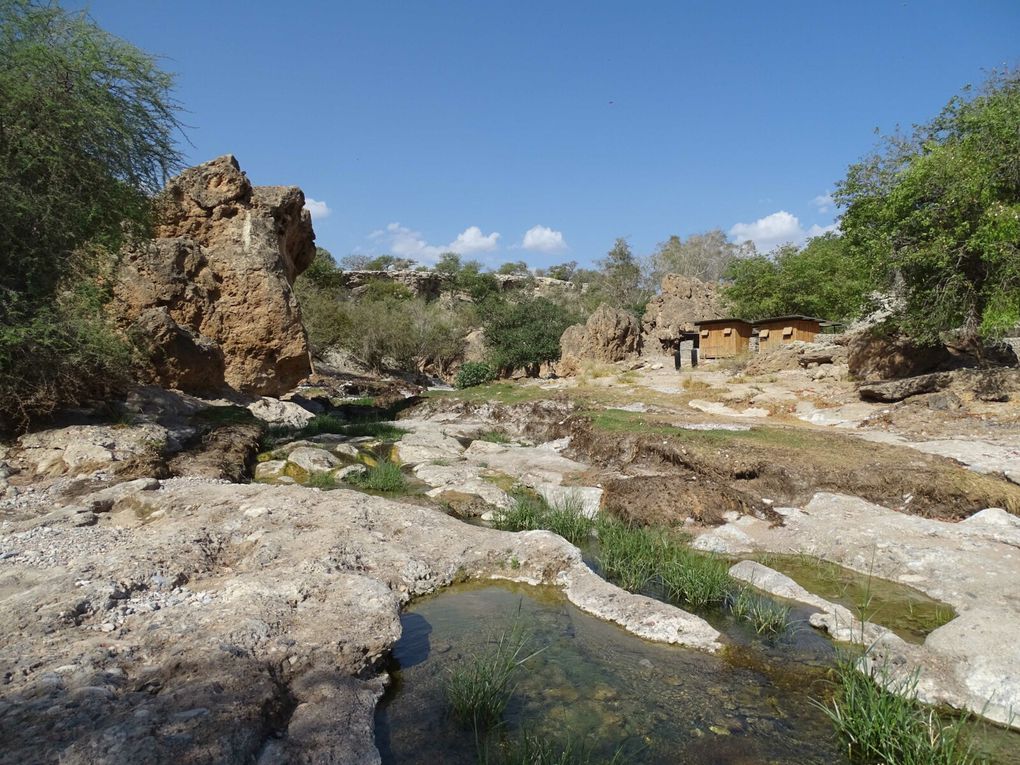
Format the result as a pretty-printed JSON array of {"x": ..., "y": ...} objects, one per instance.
[
  {"x": 596, "y": 682},
  {"x": 908, "y": 612}
]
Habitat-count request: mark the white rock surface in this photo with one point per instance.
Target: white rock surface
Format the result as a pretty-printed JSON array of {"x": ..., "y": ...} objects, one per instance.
[
  {"x": 973, "y": 662},
  {"x": 167, "y": 631},
  {"x": 277, "y": 412},
  {"x": 312, "y": 460}
]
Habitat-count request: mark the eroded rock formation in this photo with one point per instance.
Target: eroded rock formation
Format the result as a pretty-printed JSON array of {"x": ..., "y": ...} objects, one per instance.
[
  {"x": 609, "y": 335},
  {"x": 682, "y": 301},
  {"x": 210, "y": 297}
]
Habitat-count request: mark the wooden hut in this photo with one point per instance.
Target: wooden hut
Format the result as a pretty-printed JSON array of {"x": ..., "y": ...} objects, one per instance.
[
  {"x": 781, "y": 330},
  {"x": 721, "y": 338}
]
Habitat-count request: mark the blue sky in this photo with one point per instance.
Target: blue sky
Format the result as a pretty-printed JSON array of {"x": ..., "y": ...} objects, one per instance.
[{"x": 541, "y": 131}]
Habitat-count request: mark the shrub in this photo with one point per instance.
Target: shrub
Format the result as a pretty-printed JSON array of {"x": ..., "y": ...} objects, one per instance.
[
  {"x": 88, "y": 134},
  {"x": 473, "y": 373},
  {"x": 524, "y": 334},
  {"x": 383, "y": 476}
]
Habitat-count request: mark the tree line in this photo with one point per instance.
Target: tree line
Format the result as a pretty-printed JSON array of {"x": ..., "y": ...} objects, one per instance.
[{"x": 90, "y": 130}]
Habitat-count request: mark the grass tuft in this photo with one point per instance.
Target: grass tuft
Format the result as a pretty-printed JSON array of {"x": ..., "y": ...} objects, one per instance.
[
  {"x": 323, "y": 480},
  {"x": 881, "y": 719},
  {"x": 479, "y": 689},
  {"x": 383, "y": 476},
  {"x": 495, "y": 437},
  {"x": 529, "y": 511},
  {"x": 532, "y": 749},
  {"x": 766, "y": 615}
]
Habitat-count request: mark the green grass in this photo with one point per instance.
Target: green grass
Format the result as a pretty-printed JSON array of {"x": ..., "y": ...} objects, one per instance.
[
  {"x": 322, "y": 480},
  {"x": 617, "y": 421},
  {"x": 226, "y": 415},
  {"x": 495, "y": 437},
  {"x": 530, "y": 511},
  {"x": 766, "y": 615},
  {"x": 646, "y": 559},
  {"x": 881, "y": 720},
  {"x": 501, "y": 392},
  {"x": 383, "y": 476},
  {"x": 384, "y": 431},
  {"x": 532, "y": 749},
  {"x": 479, "y": 688}
]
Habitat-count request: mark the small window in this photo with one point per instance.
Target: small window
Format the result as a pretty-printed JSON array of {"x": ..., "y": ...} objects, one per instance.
[
  {"x": 787, "y": 331},
  {"x": 728, "y": 331},
  {"x": 763, "y": 334},
  {"x": 704, "y": 333}
]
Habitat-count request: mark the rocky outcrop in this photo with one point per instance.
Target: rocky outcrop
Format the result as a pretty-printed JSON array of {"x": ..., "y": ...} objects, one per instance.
[
  {"x": 682, "y": 301},
  {"x": 609, "y": 335},
  {"x": 208, "y": 622},
  {"x": 897, "y": 390},
  {"x": 796, "y": 355},
  {"x": 874, "y": 356},
  {"x": 424, "y": 284},
  {"x": 209, "y": 300}
]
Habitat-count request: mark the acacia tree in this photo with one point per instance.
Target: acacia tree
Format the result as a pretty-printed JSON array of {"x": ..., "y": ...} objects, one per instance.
[
  {"x": 87, "y": 132},
  {"x": 939, "y": 212}
]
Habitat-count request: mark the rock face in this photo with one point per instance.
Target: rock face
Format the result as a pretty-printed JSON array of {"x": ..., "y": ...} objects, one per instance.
[
  {"x": 682, "y": 301},
  {"x": 210, "y": 298},
  {"x": 609, "y": 335}
]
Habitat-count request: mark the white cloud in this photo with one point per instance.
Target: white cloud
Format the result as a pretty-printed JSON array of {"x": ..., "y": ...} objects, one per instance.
[
  {"x": 471, "y": 241},
  {"x": 817, "y": 230},
  {"x": 319, "y": 210},
  {"x": 777, "y": 228},
  {"x": 404, "y": 242},
  {"x": 823, "y": 202},
  {"x": 543, "y": 239}
]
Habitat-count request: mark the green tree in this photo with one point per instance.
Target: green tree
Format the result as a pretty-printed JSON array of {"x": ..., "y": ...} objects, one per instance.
[
  {"x": 518, "y": 267},
  {"x": 939, "y": 213},
  {"x": 87, "y": 133},
  {"x": 525, "y": 334},
  {"x": 820, "y": 279},
  {"x": 323, "y": 272},
  {"x": 562, "y": 271},
  {"x": 620, "y": 281}
]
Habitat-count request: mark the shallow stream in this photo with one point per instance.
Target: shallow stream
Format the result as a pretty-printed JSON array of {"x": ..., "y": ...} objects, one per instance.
[{"x": 596, "y": 682}]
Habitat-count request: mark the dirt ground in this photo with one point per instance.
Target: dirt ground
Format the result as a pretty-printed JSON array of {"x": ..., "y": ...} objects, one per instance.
[{"x": 776, "y": 438}]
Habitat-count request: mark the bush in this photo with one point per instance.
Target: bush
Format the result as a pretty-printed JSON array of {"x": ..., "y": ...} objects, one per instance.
[
  {"x": 524, "y": 334},
  {"x": 474, "y": 373},
  {"x": 88, "y": 133}
]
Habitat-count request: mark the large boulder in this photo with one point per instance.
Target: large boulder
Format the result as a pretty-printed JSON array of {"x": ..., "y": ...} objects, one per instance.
[
  {"x": 683, "y": 301},
  {"x": 210, "y": 297},
  {"x": 609, "y": 335},
  {"x": 875, "y": 356}
]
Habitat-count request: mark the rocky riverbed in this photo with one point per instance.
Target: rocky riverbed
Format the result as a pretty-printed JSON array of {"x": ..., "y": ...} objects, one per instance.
[{"x": 157, "y": 607}]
